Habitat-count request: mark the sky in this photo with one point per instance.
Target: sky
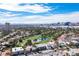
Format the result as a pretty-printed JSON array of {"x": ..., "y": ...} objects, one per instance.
[{"x": 20, "y": 12}]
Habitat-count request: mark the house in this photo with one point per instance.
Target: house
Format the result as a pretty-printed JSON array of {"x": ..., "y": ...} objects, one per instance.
[
  {"x": 17, "y": 51},
  {"x": 5, "y": 43},
  {"x": 41, "y": 47},
  {"x": 6, "y": 52},
  {"x": 73, "y": 52},
  {"x": 28, "y": 50}
]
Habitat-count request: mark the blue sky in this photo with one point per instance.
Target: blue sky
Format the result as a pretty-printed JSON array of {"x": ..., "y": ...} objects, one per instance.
[{"x": 32, "y": 13}]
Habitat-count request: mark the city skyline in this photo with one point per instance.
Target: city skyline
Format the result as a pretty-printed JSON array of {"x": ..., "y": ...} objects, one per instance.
[{"x": 37, "y": 13}]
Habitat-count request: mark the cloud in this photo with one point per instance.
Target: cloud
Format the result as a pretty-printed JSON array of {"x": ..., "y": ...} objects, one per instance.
[
  {"x": 53, "y": 18},
  {"x": 35, "y": 8},
  {"x": 21, "y": 6},
  {"x": 39, "y": 1},
  {"x": 27, "y": 1},
  {"x": 19, "y": 1},
  {"x": 8, "y": 15}
]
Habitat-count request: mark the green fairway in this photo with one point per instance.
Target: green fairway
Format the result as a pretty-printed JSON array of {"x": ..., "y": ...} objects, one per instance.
[
  {"x": 28, "y": 38},
  {"x": 49, "y": 36}
]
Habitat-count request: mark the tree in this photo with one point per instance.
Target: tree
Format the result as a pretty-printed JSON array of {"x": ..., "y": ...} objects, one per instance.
[
  {"x": 29, "y": 42},
  {"x": 20, "y": 40}
]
